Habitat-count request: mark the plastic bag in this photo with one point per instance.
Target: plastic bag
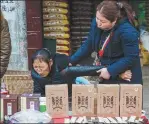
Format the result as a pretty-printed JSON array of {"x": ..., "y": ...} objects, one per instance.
[
  {"x": 145, "y": 39},
  {"x": 30, "y": 116}
]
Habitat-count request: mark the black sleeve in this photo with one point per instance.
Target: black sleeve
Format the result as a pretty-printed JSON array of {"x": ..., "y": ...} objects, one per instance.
[
  {"x": 38, "y": 88},
  {"x": 37, "y": 84},
  {"x": 62, "y": 61}
]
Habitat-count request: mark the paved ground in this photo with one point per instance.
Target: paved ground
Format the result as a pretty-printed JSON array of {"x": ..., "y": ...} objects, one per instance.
[{"x": 145, "y": 71}]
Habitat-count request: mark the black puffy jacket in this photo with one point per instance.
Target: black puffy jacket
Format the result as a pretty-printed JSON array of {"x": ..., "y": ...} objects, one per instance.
[{"x": 60, "y": 62}]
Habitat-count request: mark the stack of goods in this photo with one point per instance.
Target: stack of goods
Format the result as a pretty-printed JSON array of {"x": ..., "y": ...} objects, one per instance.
[
  {"x": 109, "y": 98},
  {"x": 81, "y": 17},
  {"x": 56, "y": 24},
  {"x": 18, "y": 82},
  {"x": 147, "y": 14},
  {"x": 112, "y": 102},
  {"x": 13, "y": 103}
]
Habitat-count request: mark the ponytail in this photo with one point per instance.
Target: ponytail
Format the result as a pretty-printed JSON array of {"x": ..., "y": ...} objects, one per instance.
[{"x": 127, "y": 9}]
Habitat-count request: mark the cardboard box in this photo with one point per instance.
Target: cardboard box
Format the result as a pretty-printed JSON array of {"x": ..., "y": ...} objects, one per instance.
[
  {"x": 9, "y": 105},
  {"x": 108, "y": 100},
  {"x": 57, "y": 100},
  {"x": 83, "y": 100},
  {"x": 130, "y": 100},
  {"x": 30, "y": 101}
]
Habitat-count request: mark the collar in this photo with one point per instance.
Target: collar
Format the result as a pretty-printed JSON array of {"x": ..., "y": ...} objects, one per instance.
[{"x": 120, "y": 22}]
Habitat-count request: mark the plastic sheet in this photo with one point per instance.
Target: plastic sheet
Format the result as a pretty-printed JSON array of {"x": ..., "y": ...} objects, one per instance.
[{"x": 29, "y": 116}]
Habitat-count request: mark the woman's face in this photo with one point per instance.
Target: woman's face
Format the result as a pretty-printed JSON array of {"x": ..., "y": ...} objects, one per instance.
[
  {"x": 103, "y": 23},
  {"x": 42, "y": 68}
]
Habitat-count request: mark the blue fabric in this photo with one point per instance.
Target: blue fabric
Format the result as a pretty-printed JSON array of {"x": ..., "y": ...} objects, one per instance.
[
  {"x": 81, "y": 80},
  {"x": 124, "y": 54}
]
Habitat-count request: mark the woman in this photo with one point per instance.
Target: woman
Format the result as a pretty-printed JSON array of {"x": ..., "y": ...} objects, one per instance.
[
  {"x": 46, "y": 70},
  {"x": 114, "y": 37},
  {"x": 5, "y": 46}
]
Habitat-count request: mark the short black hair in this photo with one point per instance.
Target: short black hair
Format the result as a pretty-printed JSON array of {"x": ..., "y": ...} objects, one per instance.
[{"x": 43, "y": 55}]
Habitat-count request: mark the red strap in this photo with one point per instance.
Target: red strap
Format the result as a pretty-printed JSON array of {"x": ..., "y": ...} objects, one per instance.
[{"x": 101, "y": 51}]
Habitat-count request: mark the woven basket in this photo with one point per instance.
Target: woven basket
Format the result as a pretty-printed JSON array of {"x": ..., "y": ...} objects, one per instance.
[{"x": 18, "y": 82}]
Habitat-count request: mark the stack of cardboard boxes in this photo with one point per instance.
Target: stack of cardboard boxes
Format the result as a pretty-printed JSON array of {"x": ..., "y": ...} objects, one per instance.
[{"x": 112, "y": 101}]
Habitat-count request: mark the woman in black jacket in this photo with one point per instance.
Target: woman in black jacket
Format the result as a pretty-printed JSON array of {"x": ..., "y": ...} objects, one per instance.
[{"x": 46, "y": 69}]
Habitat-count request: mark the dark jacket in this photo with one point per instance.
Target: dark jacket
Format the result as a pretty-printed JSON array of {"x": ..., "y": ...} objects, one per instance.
[
  {"x": 121, "y": 53},
  {"x": 59, "y": 63},
  {"x": 5, "y": 46}
]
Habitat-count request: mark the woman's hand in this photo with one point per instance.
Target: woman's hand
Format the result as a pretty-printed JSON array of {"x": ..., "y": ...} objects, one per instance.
[
  {"x": 126, "y": 75},
  {"x": 70, "y": 64},
  {"x": 104, "y": 73}
]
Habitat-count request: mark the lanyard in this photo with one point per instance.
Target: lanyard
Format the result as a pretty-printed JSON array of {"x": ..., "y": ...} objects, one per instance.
[{"x": 101, "y": 51}]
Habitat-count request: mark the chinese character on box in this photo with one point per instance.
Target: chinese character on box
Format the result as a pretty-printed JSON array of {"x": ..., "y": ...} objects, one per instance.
[{"x": 57, "y": 100}]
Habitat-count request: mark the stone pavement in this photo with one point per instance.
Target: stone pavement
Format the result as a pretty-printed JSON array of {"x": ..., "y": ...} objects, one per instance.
[{"x": 145, "y": 72}]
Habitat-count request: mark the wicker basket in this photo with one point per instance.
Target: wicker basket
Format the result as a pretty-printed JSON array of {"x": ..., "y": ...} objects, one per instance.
[{"x": 18, "y": 82}]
